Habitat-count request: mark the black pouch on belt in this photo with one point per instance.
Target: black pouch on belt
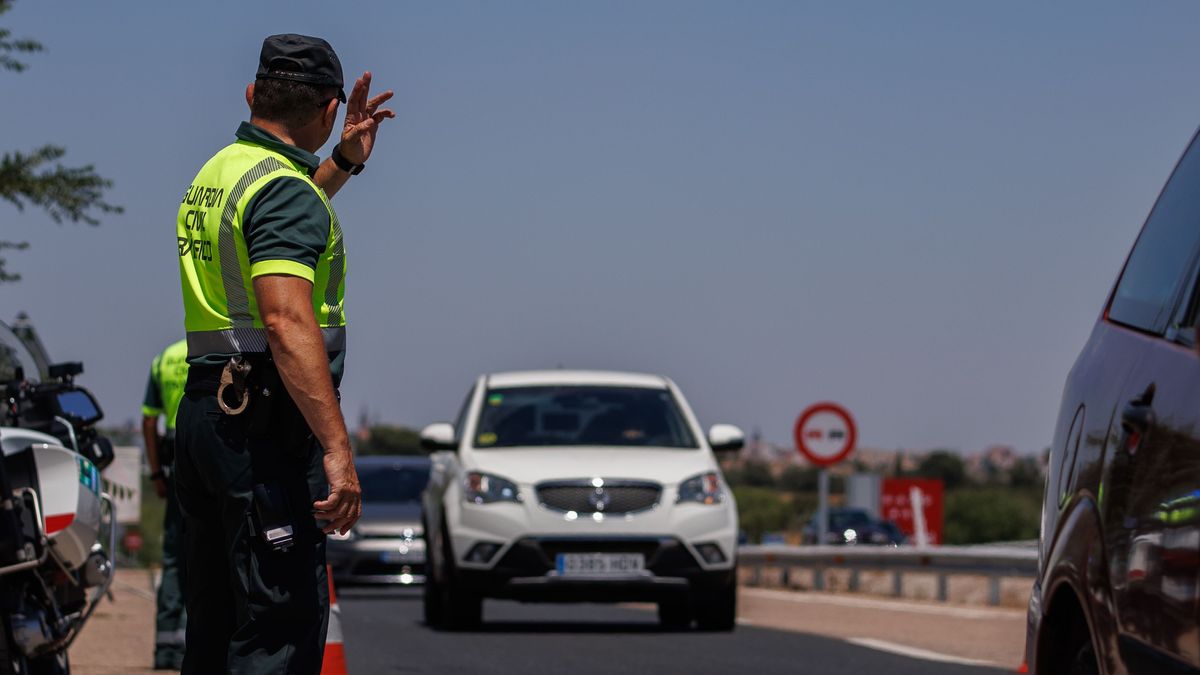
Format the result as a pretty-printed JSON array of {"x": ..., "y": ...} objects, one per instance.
[{"x": 267, "y": 388}]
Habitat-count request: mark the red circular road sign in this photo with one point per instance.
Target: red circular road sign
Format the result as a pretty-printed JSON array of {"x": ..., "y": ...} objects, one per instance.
[{"x": 825, "y": 433}]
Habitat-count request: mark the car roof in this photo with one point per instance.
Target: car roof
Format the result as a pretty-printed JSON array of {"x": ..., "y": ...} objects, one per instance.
[
  {"x": 392, "y": 460},
  {"x": 592, "y": 378}
]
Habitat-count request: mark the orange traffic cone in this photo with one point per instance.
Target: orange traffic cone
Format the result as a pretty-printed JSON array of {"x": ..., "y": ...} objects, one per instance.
[{"x": 335, "y": 652}]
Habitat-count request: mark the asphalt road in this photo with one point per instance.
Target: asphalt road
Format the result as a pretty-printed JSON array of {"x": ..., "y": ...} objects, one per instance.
[{"x": 384, "y": 634}]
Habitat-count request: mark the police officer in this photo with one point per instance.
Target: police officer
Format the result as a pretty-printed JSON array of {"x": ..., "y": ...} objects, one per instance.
[
  {"x": 168, "y": 374},
  {"x": 264, "y": 467}
]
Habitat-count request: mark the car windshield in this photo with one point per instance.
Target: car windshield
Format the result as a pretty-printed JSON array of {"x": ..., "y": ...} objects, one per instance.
[
  {"x": 397, "y": 483},
  {"x": 581, "y": 415},
  {"x": 14, "y": 354}
]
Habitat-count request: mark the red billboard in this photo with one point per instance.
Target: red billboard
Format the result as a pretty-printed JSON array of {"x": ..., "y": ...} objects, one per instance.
[{"x": 898, "y": 503}]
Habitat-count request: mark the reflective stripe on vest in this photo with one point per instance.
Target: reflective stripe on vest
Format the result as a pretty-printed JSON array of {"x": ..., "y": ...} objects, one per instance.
[
  {"x": 221, "y": 312},
  {"x": 252, "y": 340}
]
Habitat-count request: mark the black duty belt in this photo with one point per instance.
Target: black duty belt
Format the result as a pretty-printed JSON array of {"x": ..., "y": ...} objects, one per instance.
[{"x": 206, "y": 379}]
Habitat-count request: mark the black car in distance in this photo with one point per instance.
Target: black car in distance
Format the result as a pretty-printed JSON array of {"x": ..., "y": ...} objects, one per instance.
[
  {"x": 387, "y": 545},
  {"x": 855, "y": 526}
]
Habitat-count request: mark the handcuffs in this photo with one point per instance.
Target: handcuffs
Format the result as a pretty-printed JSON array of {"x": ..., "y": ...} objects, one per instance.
[{"x": 234, "y": 375}]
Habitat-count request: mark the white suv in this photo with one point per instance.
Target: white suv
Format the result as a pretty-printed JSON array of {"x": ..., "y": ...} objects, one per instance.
[{"x": 573, "y": 486}]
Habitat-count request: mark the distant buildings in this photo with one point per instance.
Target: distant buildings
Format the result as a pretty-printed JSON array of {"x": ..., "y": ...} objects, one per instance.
[{"x": 992, "y": 464}]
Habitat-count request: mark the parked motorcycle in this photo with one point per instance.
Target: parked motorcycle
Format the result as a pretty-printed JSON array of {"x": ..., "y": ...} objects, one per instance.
[{"x": 57, "y": 526}]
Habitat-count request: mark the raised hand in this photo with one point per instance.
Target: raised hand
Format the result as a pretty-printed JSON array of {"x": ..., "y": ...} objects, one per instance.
[{"x": 363, "y": 117}]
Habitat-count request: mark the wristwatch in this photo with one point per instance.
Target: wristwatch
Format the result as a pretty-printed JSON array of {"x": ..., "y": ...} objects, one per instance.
[{"x": 344, "y": 164}]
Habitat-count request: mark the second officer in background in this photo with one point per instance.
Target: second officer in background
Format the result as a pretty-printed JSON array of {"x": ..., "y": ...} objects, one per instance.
[{"x": 168, "y": 375}]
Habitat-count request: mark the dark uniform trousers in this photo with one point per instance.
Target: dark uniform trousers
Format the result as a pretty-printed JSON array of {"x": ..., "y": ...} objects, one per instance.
[
  {"x": 250, "y": 609},
  {"x": 171, "y": 618}
]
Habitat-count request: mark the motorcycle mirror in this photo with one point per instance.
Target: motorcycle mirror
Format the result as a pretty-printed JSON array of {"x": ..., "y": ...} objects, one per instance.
[{"x": 100, "y": 453}]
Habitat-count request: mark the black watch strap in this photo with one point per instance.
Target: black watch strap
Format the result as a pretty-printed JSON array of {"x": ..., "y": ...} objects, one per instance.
[{"x": 344, "y": 164}]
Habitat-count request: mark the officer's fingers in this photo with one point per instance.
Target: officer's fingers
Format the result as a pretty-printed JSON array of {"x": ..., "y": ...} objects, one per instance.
[
  {"x": 358, "y": 95},
  {"x": 328, "y": 506},
  {"x": 338, "y": 520},
  {"x": 379, "y": 100},
  {"x": 362, "y": 128},
  {"x": 342, "y": 525}
]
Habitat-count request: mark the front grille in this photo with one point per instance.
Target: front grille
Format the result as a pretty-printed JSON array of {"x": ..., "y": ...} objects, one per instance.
[{"x": 584, "y": 497}]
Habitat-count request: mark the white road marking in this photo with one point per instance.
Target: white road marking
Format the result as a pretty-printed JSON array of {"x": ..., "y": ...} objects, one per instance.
[
  {"x": 915, "y": 653},
  {"x": 887, "y": 605}
]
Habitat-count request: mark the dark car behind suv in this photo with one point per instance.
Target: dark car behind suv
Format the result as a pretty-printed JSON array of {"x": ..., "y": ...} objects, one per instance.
[
  {"x": 1120, "y": 545},
  {"x": 855, "y": 526}
]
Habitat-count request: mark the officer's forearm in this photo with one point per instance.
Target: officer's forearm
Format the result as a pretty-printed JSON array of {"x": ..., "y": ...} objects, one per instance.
[
  {"x": 299, "y": 353},
  {"x": 330, "y": 178},
  {"x": 150, "y": 436}
]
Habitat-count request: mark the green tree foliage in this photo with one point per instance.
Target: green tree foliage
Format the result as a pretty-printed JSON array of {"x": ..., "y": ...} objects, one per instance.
[
  {"x": 946, "y": 465},
  {"x": 10, "y": 46},
  {"x": 36, "y": 178},
  {"x": 796, "y": 479},
  {"x": 982, "y": 515},
  {"x": 761, "y": 510},
  {"x": 386, "y": 439},
  {"x": 753, "y": 473},
  {"x": 1026, "y": 473}
]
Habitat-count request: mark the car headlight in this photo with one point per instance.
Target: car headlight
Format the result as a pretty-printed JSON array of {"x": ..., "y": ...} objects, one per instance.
[
  {"x": 484, "y": 488},
  {"x": 702, "y": 489}
]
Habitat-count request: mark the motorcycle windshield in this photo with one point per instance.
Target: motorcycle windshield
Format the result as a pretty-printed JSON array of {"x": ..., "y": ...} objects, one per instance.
[{"x": 13, "y": 355}]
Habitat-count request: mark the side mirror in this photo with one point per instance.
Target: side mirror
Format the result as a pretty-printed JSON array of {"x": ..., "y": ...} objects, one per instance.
[
  {"x": 100, "y": 452},
  {"x": 726, "y": 438},
  {"x": 438, "y": 436}
]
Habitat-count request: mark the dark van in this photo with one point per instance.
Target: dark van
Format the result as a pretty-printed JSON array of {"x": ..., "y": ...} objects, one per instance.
[{"x": 1120, "y": 547}]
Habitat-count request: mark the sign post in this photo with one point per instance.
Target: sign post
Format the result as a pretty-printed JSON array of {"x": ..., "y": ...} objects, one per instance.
[{"x": 825, "y": 434}]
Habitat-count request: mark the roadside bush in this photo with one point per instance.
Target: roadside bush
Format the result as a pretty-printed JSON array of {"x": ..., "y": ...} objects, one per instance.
[
  {"x": 798, "y": 479},
  {"x": 982, "y": 515},
  {"x": 762, "y": 510}
]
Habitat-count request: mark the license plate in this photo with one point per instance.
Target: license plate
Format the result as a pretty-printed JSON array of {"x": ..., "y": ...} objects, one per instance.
[{"x": 599, "y": 564}]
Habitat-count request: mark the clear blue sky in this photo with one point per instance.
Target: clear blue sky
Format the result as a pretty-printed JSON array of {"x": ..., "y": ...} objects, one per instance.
[{"x": 913, "y": 208}]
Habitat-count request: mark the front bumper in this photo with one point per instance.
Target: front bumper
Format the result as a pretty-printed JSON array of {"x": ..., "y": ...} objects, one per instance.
[
  {"x": 527, "y": 571},
  {"x": 377, "y": 561}
]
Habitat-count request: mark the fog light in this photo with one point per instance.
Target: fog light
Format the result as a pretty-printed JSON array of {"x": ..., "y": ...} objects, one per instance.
[
  {"x": 482, "y": 552},
  {"x": 711, "y": 553}
]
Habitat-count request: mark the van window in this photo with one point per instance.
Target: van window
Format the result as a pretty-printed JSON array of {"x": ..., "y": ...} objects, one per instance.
[{"x": 1159, "y": 261}]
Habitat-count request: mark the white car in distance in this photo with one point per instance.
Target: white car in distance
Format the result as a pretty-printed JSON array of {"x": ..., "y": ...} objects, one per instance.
[{"x": 579, "y": 486}]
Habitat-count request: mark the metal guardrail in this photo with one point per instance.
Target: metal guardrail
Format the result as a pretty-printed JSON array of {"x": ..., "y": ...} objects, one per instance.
[{"x": 994, "y": 562}]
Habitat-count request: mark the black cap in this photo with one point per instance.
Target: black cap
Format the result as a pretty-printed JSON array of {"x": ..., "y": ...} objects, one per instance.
[{"x": 303, "y": 59}]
